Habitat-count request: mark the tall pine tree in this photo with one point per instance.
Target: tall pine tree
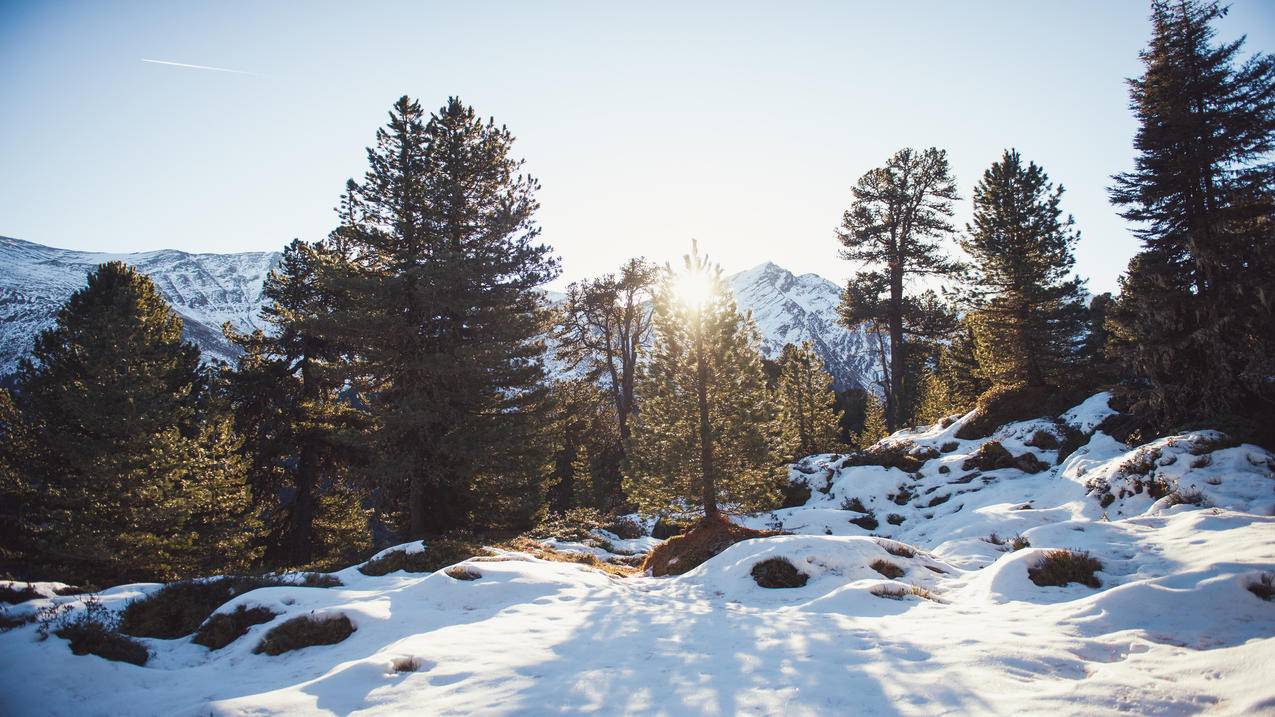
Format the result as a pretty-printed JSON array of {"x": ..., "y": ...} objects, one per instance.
[
  {"x": 301, "y": 436},
  {"x": 1029, "y": 311},
  {"x": 893, "y": 227},
  {"x": 443, "y": 312},
  {"x": 804, "y": 397},
  {"x": 1194, "y": 319},
  {"x": 128, "y": 468},
  {"x": 702, "y": 436}
]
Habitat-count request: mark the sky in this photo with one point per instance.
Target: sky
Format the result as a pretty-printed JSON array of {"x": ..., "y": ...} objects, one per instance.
[{"x": 741, "y": 125}]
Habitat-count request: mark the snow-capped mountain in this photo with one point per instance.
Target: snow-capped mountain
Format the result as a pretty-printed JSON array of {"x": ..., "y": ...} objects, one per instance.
[
  {"x": 790, "y": 309},
  {"x": 207, "y": 290},
  {"x": 210, "y": 289}
]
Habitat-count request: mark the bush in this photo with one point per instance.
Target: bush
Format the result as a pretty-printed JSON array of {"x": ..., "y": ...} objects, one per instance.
[
  {"x": 898, "y": 550},
  {"x": 523, "y": 544},
  {"x": 1061, "y": 567},
  {"x": 1263, "y": 587},
  {"x": 989, "y": 457},
  {"x": 887, "y": 568},
  {"x": 796, "y": 494},
  {"x": 224, "y": 628},
  {"x": 949, "y": 446},
  {"x": 1005, "y": 404},
  {"x": 437, "y": 554},
  {"x": 867, "y": 522},
  {"x": 855, "y": 505},
  {"x": 625, "y": 529},
  {"x": 895, "y": 454},
  {"x": 1044, "y": 440},
  {"x": 667, "y": 527},
  {"x": 894, "y": 519},
  {"x": 574, "y": 525},
  {"x": 707, "y": 538},
  {"x": 462, "y": 572},
  {"x": 179, "y": 608},
  {"x": 305, "y": 631},
  {"x": 778, "y": 573},
  {"x": 92, "y": 631},
  {"x": 9, "y": 621},
  {"x": 14, "y": 595},
  {"x": 1190, "y": 496},
  {"x": 1029, "y": 463}
]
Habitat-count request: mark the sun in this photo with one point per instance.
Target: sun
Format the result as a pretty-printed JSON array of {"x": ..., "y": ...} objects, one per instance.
[{"x": 693, "y": 288}]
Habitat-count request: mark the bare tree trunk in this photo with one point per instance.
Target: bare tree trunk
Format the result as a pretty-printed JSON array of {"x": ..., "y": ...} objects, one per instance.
[{"x": 705, "y": 429}]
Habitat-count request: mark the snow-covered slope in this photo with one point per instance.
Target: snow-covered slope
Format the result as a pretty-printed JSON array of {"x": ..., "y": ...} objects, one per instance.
[
  {"x": 1172, "y": 628},
  {"x": 210, "y": 289},
  {"x": 205, "y": 289},
  {"x": 790, "y": 309}
]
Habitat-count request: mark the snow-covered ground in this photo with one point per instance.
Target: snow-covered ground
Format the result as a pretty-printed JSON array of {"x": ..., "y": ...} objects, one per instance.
[{"x": 1173, "y": 628}]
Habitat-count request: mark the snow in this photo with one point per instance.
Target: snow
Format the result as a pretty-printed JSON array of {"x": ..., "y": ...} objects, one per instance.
[{"x": 1173, "y": 628}]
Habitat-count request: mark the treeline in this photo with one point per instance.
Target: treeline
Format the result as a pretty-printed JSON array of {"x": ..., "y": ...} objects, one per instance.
[{"x": 401, "y": 388}]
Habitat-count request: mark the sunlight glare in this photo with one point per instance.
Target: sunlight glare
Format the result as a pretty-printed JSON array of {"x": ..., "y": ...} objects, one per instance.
[{"x": 693, "y": 288}]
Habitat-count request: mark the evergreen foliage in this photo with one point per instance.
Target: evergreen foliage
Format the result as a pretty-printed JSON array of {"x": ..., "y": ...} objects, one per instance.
[
  {"x": 1193, "y": 323},
  {"x": 1029, "y": 315},
  {"x": 804, "y": 399},
  {"x": 301, "y": 437},
  {"x": 440, "y": 306},
  {"x": 893, "y": 227},
  {"x": 703, "y": 433},
  {"x": 874, "y": 427},
  {"x": 127, "y": 468}
]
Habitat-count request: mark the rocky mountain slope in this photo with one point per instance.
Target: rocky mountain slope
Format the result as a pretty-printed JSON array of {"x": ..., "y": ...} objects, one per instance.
[
  {"x": 205, "y": 289},
  {"x": 210, "y": 289}
]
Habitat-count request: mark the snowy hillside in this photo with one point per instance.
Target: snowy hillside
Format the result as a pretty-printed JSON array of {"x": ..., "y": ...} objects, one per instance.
[
  {"x": 922, "y": 605},
  {"x": 205, "y": 289},
  {"x": 210, "y": 289}
]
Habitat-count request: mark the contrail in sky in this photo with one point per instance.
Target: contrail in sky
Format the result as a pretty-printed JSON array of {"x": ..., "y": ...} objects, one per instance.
[{"x": 197, "y": 67}]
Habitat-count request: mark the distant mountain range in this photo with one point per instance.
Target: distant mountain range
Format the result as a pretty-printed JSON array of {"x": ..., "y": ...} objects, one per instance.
[{"x": 208, "y": 290}]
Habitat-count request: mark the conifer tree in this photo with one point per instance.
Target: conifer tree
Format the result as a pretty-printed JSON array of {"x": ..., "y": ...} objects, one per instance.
[
  {"x": 443, "y": 313},
  {"x": 1193, "y": 322},
  {"x": 804, "y": 397},
  {"x": 874, "y": 428},
  {"x": 299, "y": 433},
  {"x": 702, "y": 436},
  {"x": 128, "y": 468},
  {"x": 893, "y": 227},
  {"x": 1029, "y": 316}
]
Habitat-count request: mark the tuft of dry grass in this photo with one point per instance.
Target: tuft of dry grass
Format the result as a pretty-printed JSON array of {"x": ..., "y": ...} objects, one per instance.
[
  {"x": 778, "y": 573},
  {"x": 523, "y": 544},
  {"x": 405, "y": 664},
  {"x": 887, "y": 568},
  {"x": 305, "y": 631},
  {"x": 224, "y": 628},
  {"x": 898, "y": 550},
  {"x": 1062, "y": 567},
  {"x": 462, "y": 572},
  {"x": 14, "y": 595},
  {"x": 709, "y": 537},
  {"x": 1263, "y": 587},
  {"x": 897, "y": 592},
  {"x": 438, "y": 554}
]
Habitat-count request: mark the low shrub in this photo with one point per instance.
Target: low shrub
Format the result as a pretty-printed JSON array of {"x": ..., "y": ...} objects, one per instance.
[
  {"x": 1062, "y": 567},
  {"x": 887, "y": 568},
  {"x": 9, "y": 621},
  {"x": 939, "y": 500},
  {"x": 438, "y": 554},
  {"x": 1189, "y": 496},
  {"x": 92, "y": 630},
  {"x": 896, "y": 454},
  {"x": 854, "y": 504},
  {"x": 1005, "y": 404},
  {"x": 405, "y": 664},
  {"x": 667, "y": 527},
  {"x": 924, "y": 453},
  {"x": 573, "y": 525},
  {"x": 989, "y": 457},
  {"x": 1044, "y": 440},
  {"x": 867, "y": 522},
  {"x": 179, "y": 608},
  {"x": 949, "y": 446},
  {"x": 1029, "y": 463},
  {"x": 224, "y": 628},
  {"x": 305, "y": 631},
  {"x": 778, "y": 573},
  {"x": 319, "y": 580},
  {"x": 523, "y": 544},
  {"x": 796, "y": 494},
  {"x": 462, "y": 572},
  {"x": 1263, "y": 587},
  {"x": 894, "y": 519},
  {"x": 707, "y": 538},
  {"x": 14, "y": 595},
  {"x": 1018, "y": 542},
  {"x": 625, "y": 528},
  {"x": 898, "y": 550},
  {"x": 896, "y": 592}
]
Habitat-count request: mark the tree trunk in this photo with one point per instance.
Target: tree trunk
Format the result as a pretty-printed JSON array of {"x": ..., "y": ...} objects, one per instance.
[
  {"x": 894, "y": 402},
  {"x": 705, "y": 430},
  {"x": 306, "y": 479}
]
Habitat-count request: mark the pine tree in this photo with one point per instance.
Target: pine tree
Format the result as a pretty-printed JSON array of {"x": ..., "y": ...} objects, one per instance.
[
  {"x": 874, "y": 428},
  {"x": 899, "y": 214},
  {"x": 129, "y": 467},
  {"x": 807, "y": 423},
  {"x": 1193, "y": 321},
  {"x": 1029, "y": 316},
  {"x": 443, "y": 312},
  {"x": 298, "y": 431},
  {"x": 703, "y": 433}
]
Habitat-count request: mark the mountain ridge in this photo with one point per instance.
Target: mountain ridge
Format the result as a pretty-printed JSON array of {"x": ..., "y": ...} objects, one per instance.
[{"x": 209, "y": 289}]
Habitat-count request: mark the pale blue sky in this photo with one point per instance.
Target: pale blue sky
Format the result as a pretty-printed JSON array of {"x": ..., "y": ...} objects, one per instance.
[{"x": 740, "y": 124}]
